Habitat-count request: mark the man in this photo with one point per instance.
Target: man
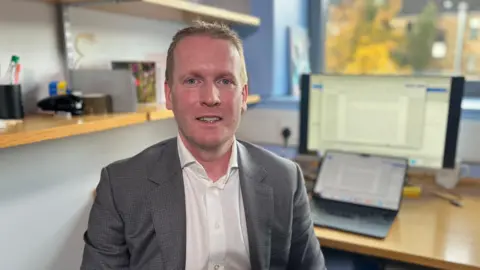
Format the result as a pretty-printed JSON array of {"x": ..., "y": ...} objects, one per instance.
[{"x": 202, "y": 200}]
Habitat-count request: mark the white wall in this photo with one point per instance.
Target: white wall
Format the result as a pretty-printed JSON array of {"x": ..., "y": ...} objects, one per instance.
[
  {"x": 468, "y": 147},
  {"x": 46, "y": 193},
  {"x": 46, "y": 188},
  {"x": 28, "y": 29},
  {"x": 265, "y": 126}
]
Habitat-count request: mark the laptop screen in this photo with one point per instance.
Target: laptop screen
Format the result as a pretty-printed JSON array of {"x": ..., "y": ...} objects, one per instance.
[{"x": 369, "y": 180}]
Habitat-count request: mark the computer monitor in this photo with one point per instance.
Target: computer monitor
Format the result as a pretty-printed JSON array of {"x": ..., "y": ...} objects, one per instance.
[{"x": 415, "y": 117}]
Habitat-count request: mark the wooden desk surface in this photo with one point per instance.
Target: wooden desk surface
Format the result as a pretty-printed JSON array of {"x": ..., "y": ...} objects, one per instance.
[{"x": 428, "y": 231}]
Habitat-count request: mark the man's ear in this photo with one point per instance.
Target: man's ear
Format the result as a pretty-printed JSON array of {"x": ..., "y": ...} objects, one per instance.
[
  {"x": 168, "y": 95},
  {"x": 244, "y": 97}
]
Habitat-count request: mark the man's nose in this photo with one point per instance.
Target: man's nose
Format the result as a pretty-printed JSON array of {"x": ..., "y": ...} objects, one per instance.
[{"x": 210, "y": 96}]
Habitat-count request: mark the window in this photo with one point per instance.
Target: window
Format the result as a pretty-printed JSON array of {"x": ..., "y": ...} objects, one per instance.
[
  {"x": 473, "y": 33},
  {"x": 471, "y": 63},
  {"x": 403, "y": 37},
  {"x": 474, "y": 26}
]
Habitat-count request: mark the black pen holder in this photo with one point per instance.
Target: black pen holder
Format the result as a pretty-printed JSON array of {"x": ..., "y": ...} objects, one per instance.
[{"x": 11, "y": 105}]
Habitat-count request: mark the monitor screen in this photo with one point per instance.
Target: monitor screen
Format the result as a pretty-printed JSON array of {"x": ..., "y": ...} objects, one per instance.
[
  {"x": 362, "y": 179},
  {"x": 404, "y": 116}
]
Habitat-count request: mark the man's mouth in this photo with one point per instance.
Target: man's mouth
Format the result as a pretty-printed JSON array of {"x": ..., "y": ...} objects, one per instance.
[{"x": 209, "y": 119}]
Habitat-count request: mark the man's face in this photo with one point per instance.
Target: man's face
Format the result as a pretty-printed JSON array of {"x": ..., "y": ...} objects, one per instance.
[{"x": 206, "y": 95}]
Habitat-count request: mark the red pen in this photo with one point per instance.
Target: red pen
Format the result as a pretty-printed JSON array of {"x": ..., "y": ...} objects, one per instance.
[{"x": 17, "y": 73}]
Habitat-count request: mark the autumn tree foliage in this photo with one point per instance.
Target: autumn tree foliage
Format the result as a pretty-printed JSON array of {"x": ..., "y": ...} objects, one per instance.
[{"x": 362, "y": 40}]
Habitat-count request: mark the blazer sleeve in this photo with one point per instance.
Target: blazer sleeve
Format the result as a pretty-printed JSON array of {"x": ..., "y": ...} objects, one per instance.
[
  {"x": 105, "y": 246},
  {"x": 305, "y": 251}
]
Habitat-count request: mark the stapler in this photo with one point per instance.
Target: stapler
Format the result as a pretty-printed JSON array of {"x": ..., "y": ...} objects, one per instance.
[{"x": 62, "y": 103}]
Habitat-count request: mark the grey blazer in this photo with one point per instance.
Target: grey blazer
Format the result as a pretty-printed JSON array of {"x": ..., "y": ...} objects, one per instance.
[{"x": 138, "y": 218}]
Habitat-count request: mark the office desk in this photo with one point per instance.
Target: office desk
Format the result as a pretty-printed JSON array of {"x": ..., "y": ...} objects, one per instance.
[{"x": 428, "y": 231}]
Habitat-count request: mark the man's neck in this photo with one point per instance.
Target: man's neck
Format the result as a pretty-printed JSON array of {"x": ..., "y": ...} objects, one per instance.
[{"x": 215, "y": 161}]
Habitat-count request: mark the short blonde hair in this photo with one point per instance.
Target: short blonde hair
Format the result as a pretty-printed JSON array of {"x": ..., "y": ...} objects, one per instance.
[{"x": 213, "y": 30}]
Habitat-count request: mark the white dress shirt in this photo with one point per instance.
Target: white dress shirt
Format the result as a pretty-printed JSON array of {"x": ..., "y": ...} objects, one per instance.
[{"x": 216, "y": 229}]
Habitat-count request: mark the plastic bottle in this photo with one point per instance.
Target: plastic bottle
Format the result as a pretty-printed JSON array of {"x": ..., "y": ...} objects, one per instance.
[{"x": 9, "y": 77}]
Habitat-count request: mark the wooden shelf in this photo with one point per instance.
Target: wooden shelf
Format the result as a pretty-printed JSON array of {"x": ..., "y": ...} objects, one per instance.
[
  {"x": 160, "y": 113},
  {"x": 177, "y": 10},
  {"x": 253, "y": 99},
  {"x": 47, "y": 127}
]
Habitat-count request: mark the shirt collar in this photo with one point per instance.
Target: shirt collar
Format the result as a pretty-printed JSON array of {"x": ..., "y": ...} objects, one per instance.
[{"x": 186, "y": 158}]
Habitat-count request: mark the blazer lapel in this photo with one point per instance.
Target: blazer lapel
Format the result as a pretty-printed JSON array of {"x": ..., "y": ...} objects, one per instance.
[
  {"x": 258, "y": 204},
  {"x": 168, "y": 207}
]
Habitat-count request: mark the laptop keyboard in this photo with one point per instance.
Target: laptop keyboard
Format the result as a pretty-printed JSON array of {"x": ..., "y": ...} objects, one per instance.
[
  {"x": 352, "y": 218},
  {"x": 352, "y": 211},
  {"x": 340, "y": 212}
]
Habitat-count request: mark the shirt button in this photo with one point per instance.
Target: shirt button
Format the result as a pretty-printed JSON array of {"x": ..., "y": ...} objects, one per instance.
[
  {"x": 217, "y": 225},
  {"x": 216, "y": 267}
]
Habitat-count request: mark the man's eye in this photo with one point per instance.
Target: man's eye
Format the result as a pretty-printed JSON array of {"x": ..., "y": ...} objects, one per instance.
[
  {"x": 225, "y": 81},
  {"x": 190, "y": 81}
]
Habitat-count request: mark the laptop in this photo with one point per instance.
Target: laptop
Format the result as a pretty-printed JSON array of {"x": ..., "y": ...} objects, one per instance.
[{"x": 358, "y": 193}]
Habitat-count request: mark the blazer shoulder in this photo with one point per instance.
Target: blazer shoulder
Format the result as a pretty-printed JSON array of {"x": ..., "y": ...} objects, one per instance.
[
  {"x": 268, "y": 158},
  {"x": 138, "y": 162},
  {"x": 277, "y": 167}
]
